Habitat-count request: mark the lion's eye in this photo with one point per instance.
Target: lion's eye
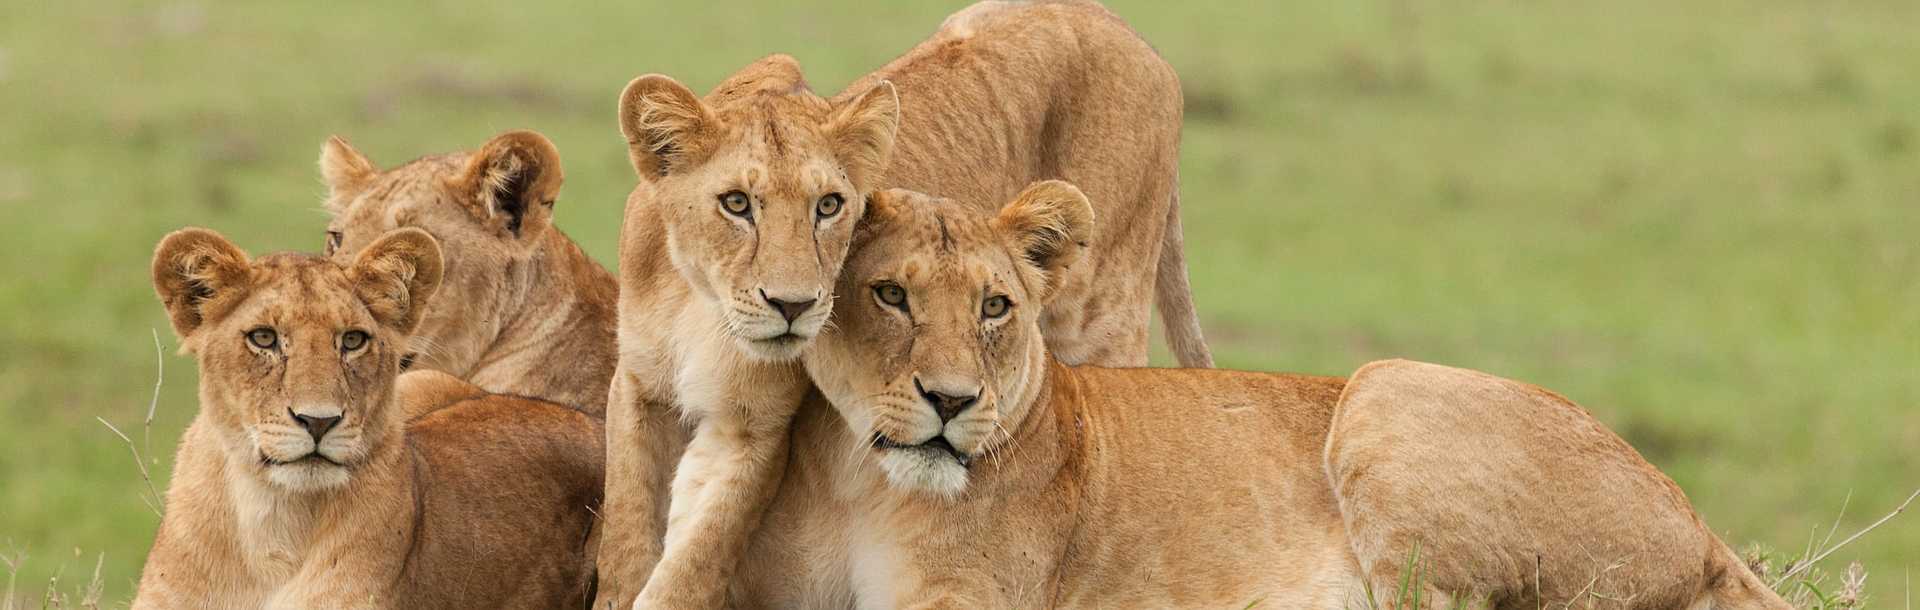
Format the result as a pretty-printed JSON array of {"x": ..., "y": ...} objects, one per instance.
[
  {"x": 736, "y": 203},
  {"x": 353, "y": 340},
  {"x": 333, "y": 242},
  {"x": 891, "y": 294},
  {"x": 829, "y": 205},
  {"x": 995, "y": 307},
  {"x": 263, "y": 338}
]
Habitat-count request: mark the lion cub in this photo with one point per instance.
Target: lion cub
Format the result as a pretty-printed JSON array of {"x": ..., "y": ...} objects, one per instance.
[
  {"x": 303, "y": 484},
  {"x": 972, "y": 470}
]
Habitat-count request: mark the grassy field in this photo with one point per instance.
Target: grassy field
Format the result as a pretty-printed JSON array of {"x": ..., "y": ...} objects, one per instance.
[{"x": 1697, "y": 219}]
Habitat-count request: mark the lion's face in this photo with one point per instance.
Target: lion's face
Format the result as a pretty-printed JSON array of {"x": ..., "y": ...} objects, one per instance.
[
  {"x": 758, "y": 188},
  {"x": 488, "y": 209},
  {"x": 297, "y": 354},
  {"x": 935, "y": 348}
]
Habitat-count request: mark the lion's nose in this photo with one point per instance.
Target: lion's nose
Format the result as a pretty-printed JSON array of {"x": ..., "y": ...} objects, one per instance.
[
  {"x": 947, "y": 402},
  {"x": 789, "y": 308},
  {"x": 316, "y": 426}
]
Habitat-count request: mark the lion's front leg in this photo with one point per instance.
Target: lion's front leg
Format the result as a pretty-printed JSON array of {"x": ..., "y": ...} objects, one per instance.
[
  {"x": 353, "y": 574},
  {"x": 728, "y": 474},
  {"x": 318, "y": 598},
  {"x": 176, "y": 586},
  {"x": 644, "y": 441}
]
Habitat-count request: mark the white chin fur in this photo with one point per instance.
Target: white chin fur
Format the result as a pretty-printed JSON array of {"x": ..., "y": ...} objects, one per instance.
[
  {"x": 309, "y": 476},
  {"x": 926, "y": 471}
]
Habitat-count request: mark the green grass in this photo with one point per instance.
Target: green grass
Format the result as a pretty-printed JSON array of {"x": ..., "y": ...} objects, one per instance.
[{"x": 1697, "y": 219}]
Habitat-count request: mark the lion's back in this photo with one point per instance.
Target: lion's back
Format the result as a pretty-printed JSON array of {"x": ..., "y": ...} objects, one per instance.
[
  {"x": 1007, "y": 94},
  {"x": 1509, "y": 489},
  {"x": 1051, "y": 81}
]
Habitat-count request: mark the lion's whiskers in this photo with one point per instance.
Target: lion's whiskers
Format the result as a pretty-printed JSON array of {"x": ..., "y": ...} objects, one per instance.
[
  {"x": 427, "y": 346},
  {"x": 1006, "y": 443}
]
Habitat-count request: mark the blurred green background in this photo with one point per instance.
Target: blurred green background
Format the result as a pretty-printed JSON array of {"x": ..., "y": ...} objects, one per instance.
[{"x": 1697, "y": 219}]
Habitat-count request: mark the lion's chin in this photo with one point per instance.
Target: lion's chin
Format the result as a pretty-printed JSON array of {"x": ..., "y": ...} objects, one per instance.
[
  {"x": 308, "y": 475},
  {"x": 926, "y": 471},
  {"x": 781, "y": 348}
]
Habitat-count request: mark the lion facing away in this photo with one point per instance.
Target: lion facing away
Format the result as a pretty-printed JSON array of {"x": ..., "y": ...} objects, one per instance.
[
  {"x": 306, "y": 482},
  {"x": 960, "y": 465},
  {"x": 736, "y": 229},
  {"x": 522, "y": 309}
]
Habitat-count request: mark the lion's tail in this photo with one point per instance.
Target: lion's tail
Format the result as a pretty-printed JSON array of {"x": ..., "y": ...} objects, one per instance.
[{"x": 1173, "y": 296}]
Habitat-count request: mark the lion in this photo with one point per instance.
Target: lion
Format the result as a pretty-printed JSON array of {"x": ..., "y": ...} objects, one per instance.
[
  {"x": 523, "y": 310},
  {"x": 739, "y": 222},
  {"x": 961, "y": 465},
  {"x": 308, "y": 481}
]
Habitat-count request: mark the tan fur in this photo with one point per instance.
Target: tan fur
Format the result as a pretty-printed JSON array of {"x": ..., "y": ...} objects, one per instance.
[
  {"x": 523, "y": 310},
  {"x": 425, "y": 391},
  {"x": 1017, "y": 96},
  {"x": 485, "y": 502},
  {"x": 1518, "y": 497},
  {"x": 1088, "y": 487},
  {"x": 1009, "y": 93},
  {"x": 699, "y": 338}
]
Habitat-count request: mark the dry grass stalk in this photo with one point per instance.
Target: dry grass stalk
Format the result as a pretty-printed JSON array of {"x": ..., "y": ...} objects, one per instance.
[
  {"x": 1801, "y": 566},
  {"x": 152, "y": 499}
]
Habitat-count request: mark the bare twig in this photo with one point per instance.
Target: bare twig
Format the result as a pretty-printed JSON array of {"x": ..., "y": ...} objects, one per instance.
[
  {"x": 1592, "y": 589},
  {"x": 153, "y": 405},
  {"x": 1815, "y": 530},
  {"x": 1836, "y": 520},
  {"x": 152, "y": 498},
  {"x": 1539, "y": 596},
  {"x": 1809, "y": 562},
  {"x": 152, "y": 503}
]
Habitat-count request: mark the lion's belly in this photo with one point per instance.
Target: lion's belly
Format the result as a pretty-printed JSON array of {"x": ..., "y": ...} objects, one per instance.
[
  {"x": 1315, "y": 572},
  {"x": 1213, "y": 540}
]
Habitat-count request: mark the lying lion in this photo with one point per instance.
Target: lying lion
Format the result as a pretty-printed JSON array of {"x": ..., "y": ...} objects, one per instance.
[
  {"x": 522, "y": 309},
  {"x": 737, "y": 227},
  {"x": 303, "y": 483},
  {"x": 1025, "y": 483}
]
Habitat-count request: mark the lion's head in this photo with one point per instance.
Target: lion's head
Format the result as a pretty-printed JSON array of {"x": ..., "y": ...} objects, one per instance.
[
  {"x": 758, "y": 187},
  {"x": 489, "y": 208},
  {"x": 935, "y": 349},
  {"x": 297, "y": 354}
]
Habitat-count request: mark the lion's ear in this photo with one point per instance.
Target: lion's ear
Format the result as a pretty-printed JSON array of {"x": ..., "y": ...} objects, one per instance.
[
  {"x": 199, "y": 276},
  {"x": 396, "y": 275},
  {"x": 510, "y": 183},
  {"x": 1049, "y": 224},
  {"x": 665, "y": 124},
  {"x": 345, "y": 170},
  {"x": 862, "y": 132}
]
